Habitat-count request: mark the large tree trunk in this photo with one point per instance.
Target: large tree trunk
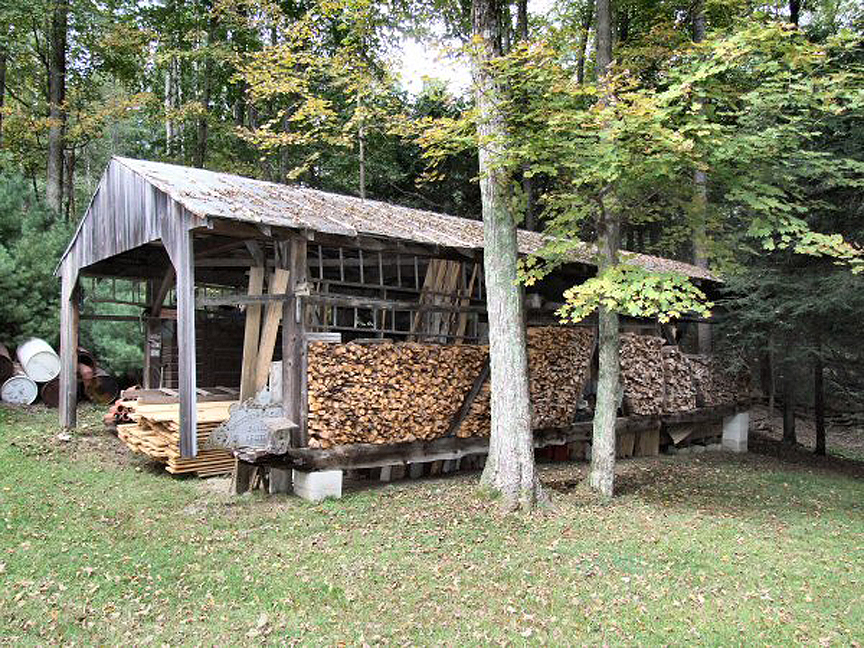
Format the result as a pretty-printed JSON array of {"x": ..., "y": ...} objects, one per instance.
[
  {"x": 601, "y": 477},
  {"x": 510, "y": 469},
  {"x": 56, "y": 109},
  {"x": 819, "y": 403}
]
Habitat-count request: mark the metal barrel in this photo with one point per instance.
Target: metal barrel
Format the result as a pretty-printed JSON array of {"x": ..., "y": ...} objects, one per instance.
[
  {"x": 7, "y": 365},
  {"x": 86, "y": 358},
  {"x": 101, "y": 388},
  {"x": 39, "y": 360},
  {"x": 19, "y": 389},
  {"x": 50, "y": 393}
]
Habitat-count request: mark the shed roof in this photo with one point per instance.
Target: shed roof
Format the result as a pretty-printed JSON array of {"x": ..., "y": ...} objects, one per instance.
[{"x": 209, "y": 194}]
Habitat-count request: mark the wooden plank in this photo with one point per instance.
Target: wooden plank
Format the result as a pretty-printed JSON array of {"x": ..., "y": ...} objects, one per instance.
[
  {"x": 272, "y": 318},
  {"x": 251, "y": 335},
  {"x": 68, "y": 346}
]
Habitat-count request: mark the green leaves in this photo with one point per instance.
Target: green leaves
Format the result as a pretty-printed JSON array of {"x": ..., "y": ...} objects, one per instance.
[{"x": 634, "y": 291}]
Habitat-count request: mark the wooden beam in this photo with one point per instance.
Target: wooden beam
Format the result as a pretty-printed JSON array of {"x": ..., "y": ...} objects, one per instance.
[
  {"x": 68, "y": 345},
  {"x": 272, "y": 318},
  {"x": 469, "y": 399},
  {"x": 162, "y": 292},
  {"x": 294, "y": 348},
  {"x": 251, "y": 335}
]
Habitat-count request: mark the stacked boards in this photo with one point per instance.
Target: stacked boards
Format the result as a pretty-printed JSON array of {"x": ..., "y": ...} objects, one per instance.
[
  {"x": 392, "y": 393},
  {"x": 156, "y": 434}
]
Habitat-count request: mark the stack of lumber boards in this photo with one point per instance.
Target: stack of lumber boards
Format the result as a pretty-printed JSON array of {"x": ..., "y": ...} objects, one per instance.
[
  {"x": 642, "y": 373},
  {"x": 559, "y": 359},
  {"x": 680, "y": 392},
  {"x": 156, "y": 434},
  {"x": 392, "y": 393}
]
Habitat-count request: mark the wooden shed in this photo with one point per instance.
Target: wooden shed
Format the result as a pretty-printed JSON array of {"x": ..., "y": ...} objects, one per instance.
[{"x": 362, "y": 269}]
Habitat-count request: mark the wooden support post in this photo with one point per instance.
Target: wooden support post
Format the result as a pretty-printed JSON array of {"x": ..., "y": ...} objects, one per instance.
[
  {"x": 294, "y": 351},
  {"x": 272, "y": 317},
  {"x": 177, "y": 238},
  {"x": 68, "y": 345}
]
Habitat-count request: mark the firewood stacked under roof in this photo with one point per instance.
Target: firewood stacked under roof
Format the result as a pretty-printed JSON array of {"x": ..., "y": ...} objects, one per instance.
[
  {"x": 680, "y": 389},
  {"x": 386, "y": 393},
  {"x": 642, "y": 373},
  {"x": 558, "y": 362},
  {"x": 716, "y": 384},
  {"x": 390, "y": 393}
]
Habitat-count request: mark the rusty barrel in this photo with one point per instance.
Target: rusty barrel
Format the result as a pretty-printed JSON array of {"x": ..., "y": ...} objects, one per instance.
[
  {"x": 50, "y": 393},
  {"x": 86, "y": 358},
  {"x": 7, "y": 365},
  {"x": 101, "y": 387}
]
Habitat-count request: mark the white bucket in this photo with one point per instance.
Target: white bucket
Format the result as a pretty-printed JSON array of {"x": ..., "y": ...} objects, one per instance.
[
  {"x": 39, "y": 360},
  {"x": 19, "y": 390}
]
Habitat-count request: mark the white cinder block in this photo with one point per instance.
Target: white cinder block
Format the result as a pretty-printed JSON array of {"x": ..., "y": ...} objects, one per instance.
[
  {"x": 735, "y": 431},
  {"x": 316, "y": 486}
]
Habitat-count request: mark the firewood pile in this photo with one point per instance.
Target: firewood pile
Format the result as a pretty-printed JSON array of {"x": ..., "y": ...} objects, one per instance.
[
  {"x": 390, "y": 393},
  {"x": 156, "y": 434},
  {"x": 716, "y": 384},
  {"x": 386, "y": 393},
  {"x": 680, "y": 389},
  {"x": 642, "y": 373}
]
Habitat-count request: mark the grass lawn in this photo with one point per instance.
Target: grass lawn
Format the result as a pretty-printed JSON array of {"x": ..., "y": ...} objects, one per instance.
[{"x": 99, "y": 548}]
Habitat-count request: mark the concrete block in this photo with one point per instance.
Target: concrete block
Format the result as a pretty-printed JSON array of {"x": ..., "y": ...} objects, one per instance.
[
  {"x": 386, "y": 474},
  {"x": 415, "y": 470},
  {"x": 316, "y": 486},
  {"x": 736, "y": 429}
]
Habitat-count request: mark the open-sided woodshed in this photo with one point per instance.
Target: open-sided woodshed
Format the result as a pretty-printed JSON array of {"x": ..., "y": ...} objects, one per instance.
[{"x": 376, "y": 311}]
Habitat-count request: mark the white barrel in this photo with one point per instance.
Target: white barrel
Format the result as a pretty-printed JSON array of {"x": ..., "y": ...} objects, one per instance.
[
  {"x": 39, "y": 360},
  {"x": 19, "y": 390}
]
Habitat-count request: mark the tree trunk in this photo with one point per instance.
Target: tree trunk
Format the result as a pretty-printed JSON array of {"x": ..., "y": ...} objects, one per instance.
[
  {"x": 794, "y": 11},
  {"x": 361, "y": 149},
  {"x": 3, "y": 57},
  {"x": 522, "y": 20},
  {"x": 584, "y": 31},
  {"x": 789, "y": 435},
  {"x": 700, "y": 197},
  {"x": 69, "y": 184},
  {"x": 819, "y": 403},
  {"x": 510, "y": 469},
  {"x": 601, "y": 477},
  {"x": 56, "y": 109},
  {"x": 205, "y": 83}
]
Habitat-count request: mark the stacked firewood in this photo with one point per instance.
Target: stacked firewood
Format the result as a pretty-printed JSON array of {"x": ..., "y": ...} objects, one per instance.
[
  {"x": 390, "y": 393},
  {"x": 558, "y": 363},
  {"x": 680, "y": 392},
  {"x": 642, "y": 373},
  {"x": 716, "y": 384},
  {"x": 387, "y": 393}
]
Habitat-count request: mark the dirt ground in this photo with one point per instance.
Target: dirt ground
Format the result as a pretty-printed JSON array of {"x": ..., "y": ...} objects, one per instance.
[{"x": 845, "y": 441}]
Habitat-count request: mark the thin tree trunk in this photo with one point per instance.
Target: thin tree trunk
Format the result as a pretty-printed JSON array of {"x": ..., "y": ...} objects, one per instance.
[
  {"x": 69, "y": 185},
  {"x": 819, "y": 402},
  {"x": 601, "y": 477},
  {"x": 789, "y": 435},
  {"x": 361, "y": 149},
  {"x": 794, "y": 11},
  {"x": 527, "y": 182},
  {"x": 56, "y": 109},
  {"x": 203, "y": 124},
  {"x": 3, "y": 57},
  {"x": 510, "y": 469},
  {"x": 522, "y": 20},
  {"x": 584, "y": 31},
  {"x": 700, "y": 198}
]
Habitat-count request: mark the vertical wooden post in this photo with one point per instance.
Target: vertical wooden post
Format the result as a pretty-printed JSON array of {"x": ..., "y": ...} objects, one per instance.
[
  {"x": 294, "y": 351},
  {"x": 68, "y": 345},
  {"x": 177, "y": 237}
]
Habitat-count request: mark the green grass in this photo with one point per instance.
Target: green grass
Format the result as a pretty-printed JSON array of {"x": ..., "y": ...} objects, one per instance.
[{"x": 710, "y": 549}]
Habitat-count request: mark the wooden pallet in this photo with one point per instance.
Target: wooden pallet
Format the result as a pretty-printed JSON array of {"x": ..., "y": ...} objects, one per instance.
[{"x": 156, "y": 434}]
